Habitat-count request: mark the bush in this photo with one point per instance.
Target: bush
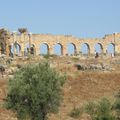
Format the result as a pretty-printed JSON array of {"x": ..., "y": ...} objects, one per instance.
[
  {"x": 75, "y": 59},
  {"x": 91, "y": 109},
  {"x": 35, "y": 91},
  {"x": 116, "y": 105},
  {"x": 100, "y": 111},
  {"x": 76, "y": 112},
  {"x": 104, "y": 110},
  {"x": 46, "y": 56}
]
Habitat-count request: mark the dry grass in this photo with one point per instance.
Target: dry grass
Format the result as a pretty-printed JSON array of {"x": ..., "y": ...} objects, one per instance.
[
  {"x": 87, "y": 87},
  {"x": 80, "y": 87}
]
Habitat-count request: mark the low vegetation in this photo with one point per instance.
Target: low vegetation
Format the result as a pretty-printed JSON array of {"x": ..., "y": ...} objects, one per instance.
[
  {"x": 80, "y": 88},
  {"x": 90, "y": 109},
  {"x": 35, "y": 91},
  {"x": 101, "y": 110},
  {"x": 76, "y": 112}
]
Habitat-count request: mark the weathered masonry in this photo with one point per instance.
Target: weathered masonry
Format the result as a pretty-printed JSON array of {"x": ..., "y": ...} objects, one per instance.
[{"x": 18, "y": 43}]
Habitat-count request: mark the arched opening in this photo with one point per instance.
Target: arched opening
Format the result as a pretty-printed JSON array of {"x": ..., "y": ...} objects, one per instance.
[
  {"x": 85, "y": 49},
  {"x": 58, "y": 49},
  {"x": 11, "y": 49},
  {"x": 14, "y": 49},
  {"x": 71, "y": 49},
  {"x": 44, "y": 49},
  {"x": 27, "y": 49},
  {"x": 32, "y": 50},
  {"x": 17, "y": 48},
  {"x": 98, "y": 48},
  {"x": 111, "y": 48}
]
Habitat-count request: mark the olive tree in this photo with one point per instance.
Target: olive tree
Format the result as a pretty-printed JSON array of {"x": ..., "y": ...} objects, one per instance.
[{"x": 35, "y": 91}]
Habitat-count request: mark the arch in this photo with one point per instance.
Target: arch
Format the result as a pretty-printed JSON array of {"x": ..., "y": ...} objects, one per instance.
[
  {"x": 26, "y": 49},
  {"x": 85, "y": 49},
  {"x": 32, "y": 49},
  {"x": 29, "y": 49},
  {"x": 44, "y": 49},
  {"x": 17, "y": 48},
  {"x": 98, "y": 48},
  {"x": 71, "y": 49},
  {"x": 110, "y": 48},
  {"x": 58, "y": 49},
  {"x": 11, "y": 49},
  {"x": 14, "y": 49}
]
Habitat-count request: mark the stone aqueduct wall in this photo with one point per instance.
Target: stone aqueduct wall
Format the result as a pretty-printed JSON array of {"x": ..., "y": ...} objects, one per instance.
[{"x": 51, "y": 40}]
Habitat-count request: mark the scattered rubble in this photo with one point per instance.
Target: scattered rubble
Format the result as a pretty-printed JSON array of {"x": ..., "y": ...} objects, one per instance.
[{"x": 84, "y": 67}]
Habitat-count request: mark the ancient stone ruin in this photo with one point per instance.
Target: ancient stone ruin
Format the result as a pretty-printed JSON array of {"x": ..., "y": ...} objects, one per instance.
[{"x": 16, "y": 44}]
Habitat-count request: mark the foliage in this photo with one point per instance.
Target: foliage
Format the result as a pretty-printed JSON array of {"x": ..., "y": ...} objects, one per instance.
[
  {"x": 75, "y": 59},
  {"x": 29, "y": 56},
  {"x": 22, "y": 30},
  {"x": 53, "y": 55},
  {"x": 116, "y": 105},
  {"x": 91, "y": 109},
  {"x": 100, "y": 111},
  {"x": 35, "y": 91},
  {"x": 76, "y": 112},
  {"x": 104, "y": 110},
  {"x": 46, "y": 56}
]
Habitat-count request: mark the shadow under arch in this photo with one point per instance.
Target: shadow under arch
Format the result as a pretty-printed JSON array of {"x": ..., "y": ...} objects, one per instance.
[
  {"x": 44, "y": 49},
  {"x": 85, "y": 49},
  {"x": 71, "y": 49},
  {"x": 58, "y": 49},
  {"x": 29, "y": 49},
  {"x": 110, "y": 48},
  {"x": 98, "y": 48},
  {"x": 32, "y": 49}
]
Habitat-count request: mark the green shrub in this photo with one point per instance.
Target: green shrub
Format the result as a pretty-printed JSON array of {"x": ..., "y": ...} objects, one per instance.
[
  {"x": 116, "y": 105},
  {"x": 104, "y": 110},
  {"x": 100, "y": 111},
  {"x": 76, "y": 112},
  {"x": 91, "y": 109},
  {"x": 46, "y": 56},
  {"x": 35, "y": 91},
  {"x": 75, "y": 59}
]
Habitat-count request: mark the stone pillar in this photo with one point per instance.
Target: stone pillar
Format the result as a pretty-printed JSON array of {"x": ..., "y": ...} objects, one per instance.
[
  {"x": 64, "y": 50},
  {"x": 7, "y": 50},
  {"x": 30, "y": 40},
  {"x": 0, "y": 49},
  {"x": 92, "y": 49},
  {"x": 22, "y": 49},
  {"x": 78, "y": 50},
  {"x": 22, "y": 37},
  {"x": 51, "y": 49},
  {"x": 37, "y": 50},
  {"x": 118, "y": 48},
  {"x": 105, "y": 50},
  {"x": 14, "y": 40}
]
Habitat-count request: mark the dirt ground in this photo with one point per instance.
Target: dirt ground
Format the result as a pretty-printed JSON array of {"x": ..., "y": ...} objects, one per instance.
[{"x": 80, "y": 86}]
